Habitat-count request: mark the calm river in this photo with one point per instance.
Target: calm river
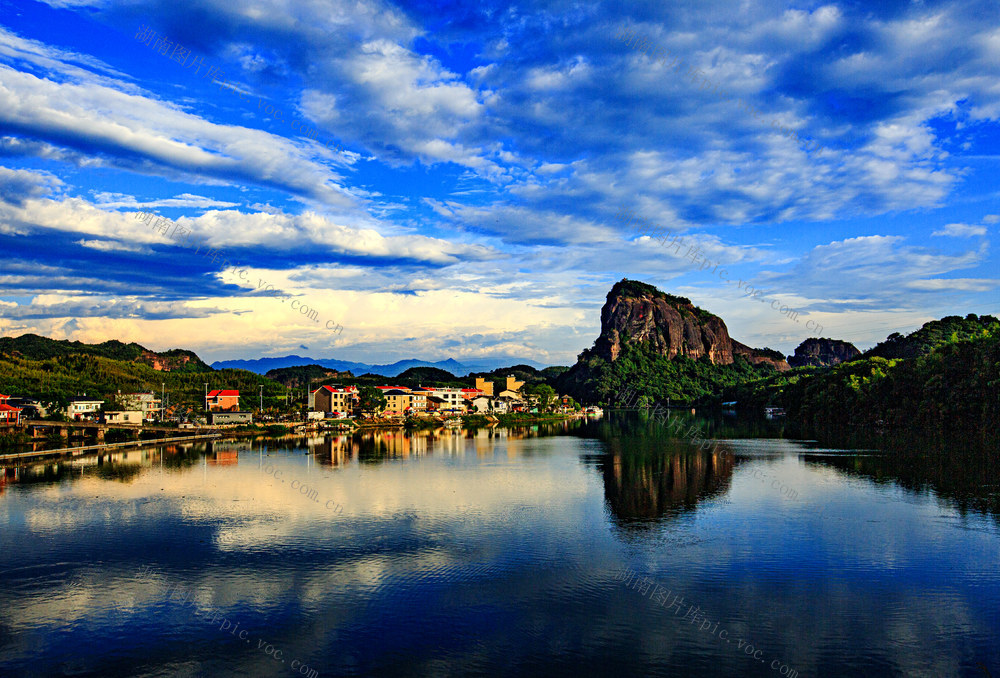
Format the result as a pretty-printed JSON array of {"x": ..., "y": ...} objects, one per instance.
[{"x": 605, "y": 548}]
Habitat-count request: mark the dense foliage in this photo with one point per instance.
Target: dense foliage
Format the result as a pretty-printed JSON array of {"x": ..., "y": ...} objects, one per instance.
[
  {"x": 56, "y": 379},
  {"x": 954, "y": 387},
  {"x": 641, "y": 368},
  {"x": 40, "y": 348},
  {"x": 371, "y": 399},
  {"x": 301, "y": 376},
  {"x": 949, "y": 329}
]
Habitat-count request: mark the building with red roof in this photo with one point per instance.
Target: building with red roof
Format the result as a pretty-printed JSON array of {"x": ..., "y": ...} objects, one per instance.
[
  {"x": 226, "y": 400},
  {"x": 334, "y": 399},
  {"x": 9, "y": 414}
]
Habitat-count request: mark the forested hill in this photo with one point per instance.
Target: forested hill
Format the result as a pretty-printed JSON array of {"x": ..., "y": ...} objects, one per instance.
[
  {"x": 35, "y": 347},
  {"x": 949, "y": 389},
  {"x": 664, "y": 347},
  {"x": 56, "y": 379},
  {"x": 949, "y": 329}
]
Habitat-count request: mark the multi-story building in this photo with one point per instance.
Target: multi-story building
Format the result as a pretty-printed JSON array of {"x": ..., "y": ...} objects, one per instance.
[
  {"x": 485, "y": 386},
  {"x": 83, "y": 408},
  {"x": 147, "y": 403},
  {"x": 398, "y": 401},
  {"x": 418, "y": 398},
  {"x": 222, "y": 401},
  {"x": 513, "y": 384},
  {"x": 454, "y": 400},
  {"x": 334, "y": 399}
]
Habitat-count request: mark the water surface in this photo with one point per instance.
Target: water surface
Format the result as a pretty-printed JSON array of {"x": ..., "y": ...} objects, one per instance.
[{"x": 606, "y": 548}]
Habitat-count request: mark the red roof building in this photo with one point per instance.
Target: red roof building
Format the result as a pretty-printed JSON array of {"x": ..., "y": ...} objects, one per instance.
[
  {"x": 222, "y": 401},
  {"x": 333, "y": 399},
  {"x": 8, "y": 414}
]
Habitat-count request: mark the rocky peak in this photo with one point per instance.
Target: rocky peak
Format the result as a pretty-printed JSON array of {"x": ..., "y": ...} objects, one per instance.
[
  {"x": 638, "y": 313},
  {"x": 820, "y": 352}
]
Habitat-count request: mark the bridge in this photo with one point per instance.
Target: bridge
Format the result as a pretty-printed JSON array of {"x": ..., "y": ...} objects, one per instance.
[{"x": 40, "y": 428}]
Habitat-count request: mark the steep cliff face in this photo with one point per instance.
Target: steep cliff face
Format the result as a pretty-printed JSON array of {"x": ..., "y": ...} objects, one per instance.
[
  {"x": 823, "y": 353},
  {"x": 637, "y": 313}
]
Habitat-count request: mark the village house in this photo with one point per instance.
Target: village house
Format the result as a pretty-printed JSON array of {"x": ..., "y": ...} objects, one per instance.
[
  {"x": 8, "y": 413},
  {"x": 484, "y": 385},
  {"x": 335, "y": 401},
  {"x": 418, "y": 401},
  {"x": 454, "y": 400},
  {"x": 398, "y": 400},
  {"x": 122, "y": 417},
  {"x": 147, "y": 403},
  {"x": 83, "y": 408},
  {"x": 222, "y": 401},
  {"x": 229, "y": 417}
]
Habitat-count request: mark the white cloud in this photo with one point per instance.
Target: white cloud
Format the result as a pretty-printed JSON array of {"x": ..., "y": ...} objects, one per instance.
[
  {"x": 960, "y": 230},
  {"x": 113, "y": 246},
  {"x": 970, "y": 284}
]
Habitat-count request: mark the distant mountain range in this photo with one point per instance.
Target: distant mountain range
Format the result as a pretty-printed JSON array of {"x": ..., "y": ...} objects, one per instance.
[{"x": 265, "y": 365}]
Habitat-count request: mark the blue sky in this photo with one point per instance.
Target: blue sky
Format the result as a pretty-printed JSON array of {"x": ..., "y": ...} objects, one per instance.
[{"x": 457, "y": 191}]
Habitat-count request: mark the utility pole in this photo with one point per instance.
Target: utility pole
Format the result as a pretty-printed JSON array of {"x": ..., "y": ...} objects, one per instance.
[
  {"x": 262, "y": 400},
  {"x": 206, "y": 397},
  {"x": 161, "y": 403}
]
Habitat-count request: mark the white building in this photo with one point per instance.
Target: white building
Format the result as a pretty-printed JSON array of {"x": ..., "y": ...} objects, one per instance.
[
  {"x": 147, "y": 403},
  {"x": 82, "y": 408},
  {"x": 123, "y": 417},
  {"x": 454, "y": 399}
]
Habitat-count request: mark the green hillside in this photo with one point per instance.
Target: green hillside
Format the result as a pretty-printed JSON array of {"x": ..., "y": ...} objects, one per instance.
[
  {"x": 36, "y": 347},
  {"x": 949, "y": 329},
  {"x": 659, "y": 378},
  {"x": 56, "y": 379}
]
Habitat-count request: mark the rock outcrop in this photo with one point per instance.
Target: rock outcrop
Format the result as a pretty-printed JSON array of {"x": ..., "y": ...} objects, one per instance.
[
  {"x": 818, "y": 352},
  {"x": 637, "y": 313}
]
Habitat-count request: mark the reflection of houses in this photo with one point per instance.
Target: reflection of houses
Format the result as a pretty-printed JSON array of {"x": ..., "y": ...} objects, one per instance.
[
  {"x": 224, "y": 457},
  {"x": 8, "y": 413},
  {"x": 339, "y": 402},
  {"x": 83, "y": 408},
  {"x": 122, "y": 417},
  {"x": 222, "y": 401}
]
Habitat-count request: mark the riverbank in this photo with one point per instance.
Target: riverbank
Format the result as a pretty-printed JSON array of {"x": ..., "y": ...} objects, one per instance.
[{"x": 74, "y": 451}]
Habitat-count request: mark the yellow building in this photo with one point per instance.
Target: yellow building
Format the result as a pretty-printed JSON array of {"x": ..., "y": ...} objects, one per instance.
[
  {"x": 398, "y": 401},
  {"x": 331, "y": 399},
  {"x": 485, "y": 386},
  {"x": 513, "y": 384}
]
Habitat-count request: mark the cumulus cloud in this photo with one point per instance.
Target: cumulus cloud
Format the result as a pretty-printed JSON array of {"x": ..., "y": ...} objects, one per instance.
[{"x": 960, "y": 230}]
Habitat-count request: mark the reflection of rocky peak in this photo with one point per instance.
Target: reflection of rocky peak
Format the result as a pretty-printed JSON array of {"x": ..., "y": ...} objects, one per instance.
[
  {"x": 637, "y": 313},
  {"x": 646, "y": 488},
  {"x": 823, "y": 353}
]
